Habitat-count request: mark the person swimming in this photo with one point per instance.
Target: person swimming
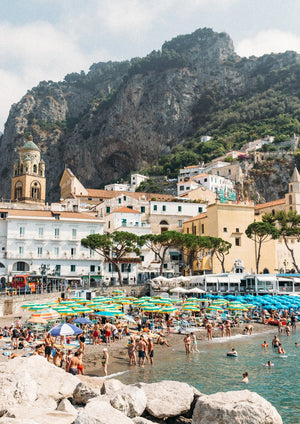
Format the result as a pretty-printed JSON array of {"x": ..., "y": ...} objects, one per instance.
[{"x": 269, "y": 364}]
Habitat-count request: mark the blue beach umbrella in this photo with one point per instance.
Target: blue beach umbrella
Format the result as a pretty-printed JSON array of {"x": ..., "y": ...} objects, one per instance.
[
  {"x": 65, "y": 330},
  {"x": 83, "y": 321},
  {"x": 105, "y": 314}
]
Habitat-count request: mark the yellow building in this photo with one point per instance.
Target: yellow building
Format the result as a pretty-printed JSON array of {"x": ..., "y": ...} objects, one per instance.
[
  {"x": 229, "y": 222},
  {"x": 29, "y": 181}
]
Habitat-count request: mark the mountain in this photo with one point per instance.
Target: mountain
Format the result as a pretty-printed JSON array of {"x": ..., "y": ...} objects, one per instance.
[{"x": 122, "y": 116}]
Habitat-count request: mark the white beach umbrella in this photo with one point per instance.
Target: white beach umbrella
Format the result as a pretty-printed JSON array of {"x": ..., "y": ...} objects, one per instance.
[{"x": 179, "y": 290}]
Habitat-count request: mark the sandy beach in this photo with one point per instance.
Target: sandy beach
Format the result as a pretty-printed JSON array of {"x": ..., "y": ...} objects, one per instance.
[{"x": 118, "y": 357}]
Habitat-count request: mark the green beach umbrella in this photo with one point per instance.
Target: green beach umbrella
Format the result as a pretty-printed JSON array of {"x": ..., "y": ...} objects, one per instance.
[
  {"x": 150, "y": 308},
  {"x": 168, "y": 310},
  {"x": 215, "y": 308}
]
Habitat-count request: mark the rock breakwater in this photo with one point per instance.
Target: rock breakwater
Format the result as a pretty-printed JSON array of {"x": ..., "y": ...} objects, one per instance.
[{"x": 33, "y": 391}]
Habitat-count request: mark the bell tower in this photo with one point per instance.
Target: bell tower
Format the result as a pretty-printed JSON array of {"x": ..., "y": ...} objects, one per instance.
[
  {"x": 292, "y": 198},
  {"x": 29, "y": 181}
]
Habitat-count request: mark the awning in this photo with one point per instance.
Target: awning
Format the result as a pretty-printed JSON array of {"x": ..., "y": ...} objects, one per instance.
[
  {"x": 265, "y": 278},
  {"x": 296, "y": 280}
]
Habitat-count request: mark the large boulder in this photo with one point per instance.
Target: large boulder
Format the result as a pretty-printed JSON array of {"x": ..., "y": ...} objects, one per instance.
[
  {"x": 235, "y": 407},
  {"x": 39, "y": 415},
  {"x": 93, "y": 382},
  {"x": 111, "y": 386},
  {"x": 130, "y": 400},
  {"x": 99, "y": 412},
  {"x": 66, "y": 406},
  {"x": 83, "y": 393},
  {"x": 25, "y": 380},
  {"x": 168, "y": 398}
]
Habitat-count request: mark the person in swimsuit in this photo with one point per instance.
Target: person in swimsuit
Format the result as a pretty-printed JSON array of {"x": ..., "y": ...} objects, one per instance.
[
  {"x": 150, "y": 350},
  {"x": 245, "y": 378},
  {"x": 228, "y": 329},
  {"x": 194, "y": 343},
  {"x": 81, "y": 340},
  {"x": 209, "y": 331},
  {"x": 80, "y": 365},
  {"x": 107, "y": 329},
  {"x": 73, "y": 364},
  {"x": 187, "y": 344},
  {"x": 49, "y": 342},
  {"x": 104, "y": 360},
  {"x": 96, "y": 334},
  {"x": 141, "y": 347},
  {"x": 131, "y": 352},
  {"x": 275, "y": 342}
]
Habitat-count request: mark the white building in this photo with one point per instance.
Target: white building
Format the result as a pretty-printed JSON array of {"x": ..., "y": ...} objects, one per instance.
[
  {"x": 33, "y": 239},
  {"x": 190, "y": 171}
]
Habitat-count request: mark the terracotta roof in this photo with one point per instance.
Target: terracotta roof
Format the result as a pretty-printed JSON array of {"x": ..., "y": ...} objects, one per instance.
[
  {"x": 47, "y": 214},
  {"x": 188, "y": 181},
  {"x": 124, "y": 209},
  {"x": 110, "y": 194},
  {"x": 191, "y": 166},
  {"x": 270, "y": 204},
  {"x": 204, "y": 174},
  {"x": 196, "y": 218}
]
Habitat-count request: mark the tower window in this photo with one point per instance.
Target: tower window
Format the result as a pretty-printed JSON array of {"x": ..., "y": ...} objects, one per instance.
[
  {"x": 34, "y": 168},
  {"x": 35, "y": 191}
]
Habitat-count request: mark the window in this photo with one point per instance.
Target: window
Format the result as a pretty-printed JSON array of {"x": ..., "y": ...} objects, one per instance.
[
  {"x": 188, "y": 188},
  {"x": 181, "y": 188},
  {"x": 200, "y": 209},
  {"x": 143, "y": 209},
  {"x": 74, "y": 233},
  {"x": 188, "y": 231},
  {"x": 225, "y": 230},
  {"x": 179, "y": 208},
  {"x": 21, "y": 250},
  {"x": 165, "y": 266},
  {"x": 108, "y": 224},
  {"x": 205, "y": 180},
  {"x": 22, "y": 231},
  {"x": 237, "y": 241},
  {"x": 73, "y": 268},
  {"x": 130, "y": 207},
  {"x": 202, "y": 228},
  {"x": 107, "y": 209},
  {"x": 73, "y": 251},
  {"x": 92, "y": 252},
  {"x": 56, "y": 233},
  {"x": 92, "y": 232},
  {"x": 124, "y": 198},
  {"x": 92, "y": 268},
  {"x": 164, "y": 208},
  {"x": 142, "y": 258},
  {"x": 155, "y": 207},
  {"x": 179, "y": 223},
  {"x": 229, "y": 171},
  {"x": 57, "y": 269},
  {"x": 41, "y": 232},
  {"x": 120, "y": 200},
  {"x": 290, "y": 199},
  {"x": 56, "y": 251},
  {"x": 39, "y": 251},
  {"x": 237, "y": 230}
]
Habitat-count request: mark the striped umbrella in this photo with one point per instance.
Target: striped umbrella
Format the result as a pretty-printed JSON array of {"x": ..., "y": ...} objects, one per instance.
[
  {"x": 37, "y": 320},
  {"x": 190, "y": 308},
  {"x": 215, "y": 308},
  {"x": 168, "y": 310},
  {"x": 46, "y": 314},
  {"x": 150, "y": 308}
]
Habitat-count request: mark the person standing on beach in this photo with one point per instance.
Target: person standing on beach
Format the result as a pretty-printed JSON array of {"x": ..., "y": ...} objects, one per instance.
[
  {"x": 194, "y": 343},
  {"x": 104, "y": 361},
  {"x": 228, "y": 329},
  {"x": 107, "y": 329},
  {"x": 141, "y": 347},
  {"x": 72, "y": 366},
  {"x": 81, "y": 340},
  {"x": 48, "y": 345},
  {"x": 209, "y": 331},
  {"x": 187, "y": 344},
  {"x": 131, "y": 351},
  {"x": 150, "y": 350}
]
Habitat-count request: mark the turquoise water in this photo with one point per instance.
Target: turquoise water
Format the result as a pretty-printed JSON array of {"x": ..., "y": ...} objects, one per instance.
[{"x": 212, "y": 371}]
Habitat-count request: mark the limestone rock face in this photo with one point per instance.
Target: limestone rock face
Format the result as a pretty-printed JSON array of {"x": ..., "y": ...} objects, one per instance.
[
  {"x": 99, "y": 412},
  {"x": 123, "y": 115},
  {"x": 141, "y": 420},
  {"x": 236, "y": 407},
  {"x": 168, "y": 398},
  {"x": 130, "y": 400},
  {"x": 66, "y": 406}
]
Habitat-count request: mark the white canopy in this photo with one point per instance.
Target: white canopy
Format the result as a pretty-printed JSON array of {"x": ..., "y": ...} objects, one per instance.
[
  {"x": 195, "y": 290},
  {"x": 179, "y": 290}
]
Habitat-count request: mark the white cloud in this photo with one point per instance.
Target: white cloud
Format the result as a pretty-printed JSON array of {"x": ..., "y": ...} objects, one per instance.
[
  {"x": 271, "y": 41},
  {"x": 32, "y": 53}
]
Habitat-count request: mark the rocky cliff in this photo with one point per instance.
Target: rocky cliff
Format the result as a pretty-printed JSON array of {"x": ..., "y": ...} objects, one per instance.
[{"x": 123, "y": 115}]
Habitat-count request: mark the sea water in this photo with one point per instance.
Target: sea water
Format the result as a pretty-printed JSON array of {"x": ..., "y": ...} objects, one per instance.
[{"x": 212, "y": 371}]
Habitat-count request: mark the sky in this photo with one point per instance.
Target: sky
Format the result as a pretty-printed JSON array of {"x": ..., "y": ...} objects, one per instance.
[{"x": 46, "y": 39}]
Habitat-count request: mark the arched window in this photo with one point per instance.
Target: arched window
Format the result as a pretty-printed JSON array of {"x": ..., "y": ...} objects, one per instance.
[
  {"x": 20, "y": 266},
  {"x": 273, "y": 212},
  {"x": 34, "y": 168},
  {"x": 163, "y": 222},
  {"x": 35, "y": 191},
  {"x": 290, "y": 199},
  {"x": 21, "y": 169},
  {"x": 18, "y": 190},
  {"x": 1, "y": 265}
]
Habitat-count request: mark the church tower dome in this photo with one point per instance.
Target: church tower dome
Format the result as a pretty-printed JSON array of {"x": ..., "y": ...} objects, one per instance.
[{"x": 29, "y": 182}]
